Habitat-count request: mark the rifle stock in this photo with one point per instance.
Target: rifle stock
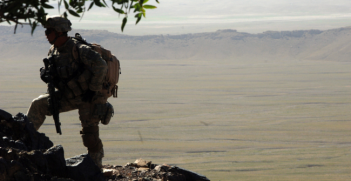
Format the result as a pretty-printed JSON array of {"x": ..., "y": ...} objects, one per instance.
[{"x": 52, "y": 100}]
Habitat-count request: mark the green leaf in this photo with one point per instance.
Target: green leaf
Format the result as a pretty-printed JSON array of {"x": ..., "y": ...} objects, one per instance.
[
  {"x": 41, "y": 11},
  {"x": 141, "y": 2},
  {"x": 81, "y": 4},
  {"x": 66, "y": 4},
  {"x": 43, "y": 18},
  {"x": 137, "y": 21},
  {"x": 157, "y": 1},
  {"x": 137, "y": 7},
  {"x": 149, "y": 6},
  {"x": 65, "y": 15},
  {"x": 34, "y": 25},
  {"x": 124, "y": 22},
  {"x": 120, "y": 11},
  {"x": 143, "y": 10},
  {"x": 138, "y": 15},
  {"x": 91, "y": 5},
  {"x": 73, "y": 13},
  {"x": 98, "y": 3},
  {"x": 105, "y": 3},
  {"x": 145, "y": 1},
  {"x": 47, "y": 6},
  {"x": 72, "y": 3}
]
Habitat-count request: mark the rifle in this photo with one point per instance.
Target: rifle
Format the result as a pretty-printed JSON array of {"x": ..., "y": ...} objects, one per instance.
[{"x": 52, "y": 100}]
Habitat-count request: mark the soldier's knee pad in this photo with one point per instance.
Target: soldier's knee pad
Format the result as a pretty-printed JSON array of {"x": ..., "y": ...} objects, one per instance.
[
  {"x": 91, "y": 140},
  {"x": 36, "y": 102},
  {"x": 39, "y": 102}
]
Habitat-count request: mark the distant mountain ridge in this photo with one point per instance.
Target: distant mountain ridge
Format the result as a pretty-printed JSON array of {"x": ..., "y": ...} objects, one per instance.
[{"x": 330, "y": 45}]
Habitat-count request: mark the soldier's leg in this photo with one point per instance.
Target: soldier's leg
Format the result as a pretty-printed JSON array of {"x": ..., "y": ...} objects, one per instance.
[
  {"x": 39, "y": 109},
  {"x": 90, "y": 131},
  {"x": 91, "y": 140}
]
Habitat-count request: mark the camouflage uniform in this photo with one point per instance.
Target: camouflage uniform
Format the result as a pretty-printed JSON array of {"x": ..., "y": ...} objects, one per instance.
[{"x": 74, "y": 77}]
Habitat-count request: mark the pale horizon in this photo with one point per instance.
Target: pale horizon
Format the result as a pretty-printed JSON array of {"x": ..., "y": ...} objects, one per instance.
[{"x": 197, "y": 16}]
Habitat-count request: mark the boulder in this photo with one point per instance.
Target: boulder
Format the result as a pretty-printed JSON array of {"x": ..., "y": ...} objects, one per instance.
[
  {"x": 190, "y": 175},
  {"x": 56, "y": 161},
  {"x": 142, "y": 163},
  {"x": 83, "y": 168}
]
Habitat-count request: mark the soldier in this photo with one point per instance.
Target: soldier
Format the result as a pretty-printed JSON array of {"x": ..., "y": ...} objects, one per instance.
[{"x": 79, "y": 83}]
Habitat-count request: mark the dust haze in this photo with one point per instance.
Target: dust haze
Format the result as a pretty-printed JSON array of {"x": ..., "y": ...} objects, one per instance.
[{"x": 229, "y": 105}]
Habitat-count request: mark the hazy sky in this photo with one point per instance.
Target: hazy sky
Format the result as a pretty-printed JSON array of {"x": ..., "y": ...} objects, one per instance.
[{"x": 194, "y": 16}]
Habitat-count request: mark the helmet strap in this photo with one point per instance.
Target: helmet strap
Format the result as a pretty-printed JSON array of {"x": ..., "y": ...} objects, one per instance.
[{"x": 56, "y": 37}]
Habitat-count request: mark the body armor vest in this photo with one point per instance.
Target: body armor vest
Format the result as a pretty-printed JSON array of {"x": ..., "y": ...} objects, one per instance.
[{"x": 72, "y": 77}]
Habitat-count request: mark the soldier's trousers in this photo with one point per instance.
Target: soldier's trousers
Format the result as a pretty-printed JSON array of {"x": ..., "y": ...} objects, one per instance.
[{"x": 39, "y": 109}]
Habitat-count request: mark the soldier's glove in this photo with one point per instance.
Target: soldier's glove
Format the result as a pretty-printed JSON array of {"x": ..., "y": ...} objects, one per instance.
[
  {"x": 43, "y": 75},
  {"x": 88, "y": 96}
]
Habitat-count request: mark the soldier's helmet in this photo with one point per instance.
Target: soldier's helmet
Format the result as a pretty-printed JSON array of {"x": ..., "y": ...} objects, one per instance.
[{"x": 59, "y": 23}]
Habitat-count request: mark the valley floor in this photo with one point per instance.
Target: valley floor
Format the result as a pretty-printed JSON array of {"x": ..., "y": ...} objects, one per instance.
[{"x": 227, "y": 120}]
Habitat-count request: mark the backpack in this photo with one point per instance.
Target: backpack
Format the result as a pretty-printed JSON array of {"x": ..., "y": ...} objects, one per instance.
[{"x": 112, "y": 76}]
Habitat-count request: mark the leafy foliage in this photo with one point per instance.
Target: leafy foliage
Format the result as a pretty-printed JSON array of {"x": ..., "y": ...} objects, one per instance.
[{"x": 33, "y": 12}]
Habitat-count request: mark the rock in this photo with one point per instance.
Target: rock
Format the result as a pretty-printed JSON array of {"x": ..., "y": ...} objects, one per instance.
[
  {"x": 19, "y": 145},
  {"x": 83, "y": 168},
  {"x": 107, "y": 172},
  {"x": 21, "y": 176},
  {"x": 8, "y": 154},
  {"x": 14, "y": 167},
  {"x": 56, "y": 161},
  {"x": 142, "y": 169},
  {"x": 33, "y": 139},
  {"x": 160, "y": 168},
  {"x": 5, "y": 139},
  {"x": 3, "y": 170},
  {"x": 5, "y": 115},
  {"x": 191, "y": 175},
  {"x": 175, "y": 176},
  {"x": 37, "y": 157},
  {"x": 142, "y": 163},
  {"x": 60, "y": 179},
  {"x": 19, "y": 133},
  {"x": 131, "y": 165}
]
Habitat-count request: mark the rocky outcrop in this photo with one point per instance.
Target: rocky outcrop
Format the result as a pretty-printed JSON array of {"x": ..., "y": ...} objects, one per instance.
[
  {"x": 26, "y": 154},
  {"x": 142, "y": 170}
]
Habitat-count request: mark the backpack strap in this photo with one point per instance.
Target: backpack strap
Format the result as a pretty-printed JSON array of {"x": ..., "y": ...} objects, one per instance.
[
  {"x": 75, "y": 53},
  {"x": 51, "y": 50}
]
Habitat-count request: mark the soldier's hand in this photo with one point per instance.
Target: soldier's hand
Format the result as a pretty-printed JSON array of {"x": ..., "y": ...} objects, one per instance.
[
  {"x": 88, "y": 96},
  {"x": 43, "y": 75}
]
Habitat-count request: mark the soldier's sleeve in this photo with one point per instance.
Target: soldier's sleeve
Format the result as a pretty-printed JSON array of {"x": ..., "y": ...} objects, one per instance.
[{"x": 97, "y": 66}]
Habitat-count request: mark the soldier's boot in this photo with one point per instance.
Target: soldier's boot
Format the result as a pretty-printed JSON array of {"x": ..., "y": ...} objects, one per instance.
[{"x": 97, "y": 157}]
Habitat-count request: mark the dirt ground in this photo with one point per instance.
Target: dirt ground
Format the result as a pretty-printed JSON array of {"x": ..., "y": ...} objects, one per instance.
[{"x": 227, "y": 120}]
